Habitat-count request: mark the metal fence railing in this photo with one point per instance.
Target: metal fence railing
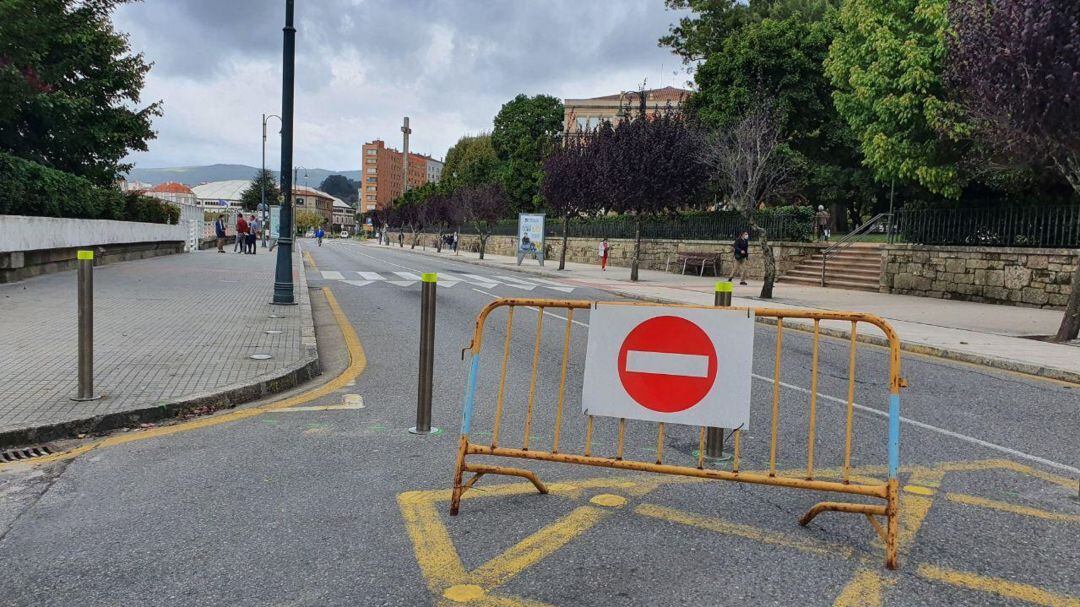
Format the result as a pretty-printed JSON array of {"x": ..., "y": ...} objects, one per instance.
[{"x": 994, "y": 227}]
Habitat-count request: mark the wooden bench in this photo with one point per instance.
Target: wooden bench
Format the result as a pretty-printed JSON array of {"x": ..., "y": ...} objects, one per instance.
[{"x": 701, "y": 260}]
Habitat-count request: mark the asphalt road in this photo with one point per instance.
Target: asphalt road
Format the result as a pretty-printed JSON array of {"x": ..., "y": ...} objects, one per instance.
[{"x": 345, "y": 507}]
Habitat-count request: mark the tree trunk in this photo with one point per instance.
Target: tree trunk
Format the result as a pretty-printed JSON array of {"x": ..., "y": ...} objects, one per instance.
[
  {"x": 1070, "y": 321},
  {"x": 770, "y": 267},
  {"x": 637, "y": 248},
  {"x": 565, "y": 237},
  {"x": 415, "y": 239},
  {"x": 438, "y": 242},
  {"x": 483, "y": 244}
]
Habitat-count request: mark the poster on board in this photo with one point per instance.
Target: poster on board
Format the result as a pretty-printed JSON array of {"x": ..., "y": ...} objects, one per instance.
[
  {"x": 275, "y": 219},
  {"x": 530, "y": 236}
]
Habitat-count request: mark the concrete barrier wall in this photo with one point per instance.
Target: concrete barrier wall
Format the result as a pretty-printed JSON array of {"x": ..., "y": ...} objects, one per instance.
[
  {"x": 1017, "y": 276},
  {"x": 30, "y": 246},
  {"x": 655, "y": 254}
]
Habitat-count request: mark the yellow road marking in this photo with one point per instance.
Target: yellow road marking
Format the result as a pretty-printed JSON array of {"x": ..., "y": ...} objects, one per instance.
[
  {"x": 917, "y": 490},
  {"x": 357, "y": 363},
  {"x": 746, "y": 531},
  {"x": 310, "y": 261},
  {"x": 1003, "y": 588},
  {"x": 348, "y": 403},
  {"x": 982, "y": 502},
  {"x": 608, "y": 500},
  {"x": 865, "y": 590}
]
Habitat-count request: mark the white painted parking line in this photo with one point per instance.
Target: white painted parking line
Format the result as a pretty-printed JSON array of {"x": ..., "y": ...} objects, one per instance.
[
  {"x": 482, "y": 279},
  {"x": 370, "y": 276},
  {"x": 408, "y": 275},
  {"x": 331, "y": 275}
]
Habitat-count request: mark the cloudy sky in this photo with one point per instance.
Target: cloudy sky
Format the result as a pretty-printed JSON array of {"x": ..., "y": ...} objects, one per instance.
[{"x": 363, "y": 64}]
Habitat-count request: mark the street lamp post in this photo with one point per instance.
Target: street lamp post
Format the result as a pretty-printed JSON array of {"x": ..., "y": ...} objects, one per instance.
[
  {"x": 263, "y": 207},
  {"x": 283, "y": 281}
]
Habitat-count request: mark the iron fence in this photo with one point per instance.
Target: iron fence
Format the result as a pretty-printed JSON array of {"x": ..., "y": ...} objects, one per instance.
[{"x": 1001, "y": 227}]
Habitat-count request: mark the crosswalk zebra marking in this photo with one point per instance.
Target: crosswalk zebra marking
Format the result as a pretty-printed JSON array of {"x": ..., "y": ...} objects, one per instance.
[
  {"x": 358, "y": 283},
  {"x": 481, "y": 279},
  {"x": 408, "y": 275},
  {"x": 331, "y": 275},
  {"x": 402, "y": 283},
  {"x": 370, "y": 276},
  {"x": 445, "y": 279}
]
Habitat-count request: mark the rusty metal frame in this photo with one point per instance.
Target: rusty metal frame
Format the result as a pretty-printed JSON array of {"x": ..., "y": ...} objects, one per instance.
[{"x": 887, "y": 490}]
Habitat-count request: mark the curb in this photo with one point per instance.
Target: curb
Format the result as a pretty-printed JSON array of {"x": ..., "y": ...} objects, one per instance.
[
  {"x": 935, "y": 351},
  {"x": 227, "y": 397}
]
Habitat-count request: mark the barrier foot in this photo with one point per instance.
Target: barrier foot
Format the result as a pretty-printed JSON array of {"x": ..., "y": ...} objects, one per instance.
[
  {"x": 459, "y": 469},
  {"x": 892, "y": 531},
  {"x": 867, "y": 509},
  {"x": 481, "y": 469}
]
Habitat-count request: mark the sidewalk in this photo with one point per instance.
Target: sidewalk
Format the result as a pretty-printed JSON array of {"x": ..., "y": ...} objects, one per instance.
[
  {"x": 987, "y": 334},
  {"x": 171, "y": 334}
]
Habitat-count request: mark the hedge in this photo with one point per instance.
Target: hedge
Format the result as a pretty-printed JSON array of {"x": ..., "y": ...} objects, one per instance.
[{"x": 28, "y": 188}]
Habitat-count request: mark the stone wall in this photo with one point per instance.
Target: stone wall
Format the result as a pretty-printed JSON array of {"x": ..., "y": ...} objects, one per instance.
[
  {"x": 656, "y": 254},
  {"x": 1016, "y": 276}
]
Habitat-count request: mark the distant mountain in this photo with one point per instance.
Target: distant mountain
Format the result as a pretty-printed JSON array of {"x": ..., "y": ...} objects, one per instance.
[{"x": 193, "y": 176}]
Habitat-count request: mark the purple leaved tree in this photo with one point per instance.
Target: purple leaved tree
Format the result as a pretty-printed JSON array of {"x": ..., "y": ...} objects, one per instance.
[
  {"x": 1015, "y": 65},
  {"x": 570, "y": 182},
  {"x": 483, "y": 206}
]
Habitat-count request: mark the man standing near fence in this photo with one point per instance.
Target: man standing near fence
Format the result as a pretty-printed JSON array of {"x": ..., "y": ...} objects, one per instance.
[
  {"x": 822, "y": 221},
  {"x": 741, "y": 250},
  {"x": 241, "y": 234},
  {"x": 219, "y": 232},
  {"x": 603, "y": 252}
]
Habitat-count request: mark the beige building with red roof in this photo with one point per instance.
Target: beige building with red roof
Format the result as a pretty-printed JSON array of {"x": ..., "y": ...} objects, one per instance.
[{"x": 171, "y": 191}]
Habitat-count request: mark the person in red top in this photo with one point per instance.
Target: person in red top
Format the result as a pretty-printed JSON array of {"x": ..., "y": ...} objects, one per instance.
[{"x": 241, "y": 234}]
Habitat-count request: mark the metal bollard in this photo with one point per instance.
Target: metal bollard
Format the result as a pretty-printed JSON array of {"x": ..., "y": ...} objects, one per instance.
[
  {"x": 86, "y": 327},
  {"x": 427, "y": 354},
  {"x": 714, "y": 437}
]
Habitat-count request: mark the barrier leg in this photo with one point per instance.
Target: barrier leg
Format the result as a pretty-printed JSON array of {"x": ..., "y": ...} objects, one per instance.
[
  {"x": 455, "y": 498},
  {"x": 892, "y": 530},
  {"x": 481, "y": 470}
]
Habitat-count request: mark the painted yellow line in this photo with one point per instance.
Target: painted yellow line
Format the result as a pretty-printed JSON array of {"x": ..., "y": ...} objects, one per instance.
[
  {"x": 357, "y": 364},
  {"x": 1002, "y": 588},
  {"x": 864, "y": 590},
  {"x": 311, "y": 261},
  {"x": 745, "y": 531},
  {"x": 982, "y": 502}
]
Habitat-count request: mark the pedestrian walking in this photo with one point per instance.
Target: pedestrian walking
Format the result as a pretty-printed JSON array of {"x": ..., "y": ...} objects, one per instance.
[
  {"x": 741, "y": 250},
  {"x": 241, "y": 234},
  {"x": 255, "y": 230},
  {"x": 822, "y": 223},
  {"x": 319, "y": 233},
  {"x": 455, "y": 242},
  {"x": 401, "y": 239},
  {"x": 219, "y": 232},
  {"x": 603, "y": 252}
]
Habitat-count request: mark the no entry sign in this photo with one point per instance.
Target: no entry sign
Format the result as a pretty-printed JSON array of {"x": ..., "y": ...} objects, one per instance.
[{"x": 674, "y": 365}]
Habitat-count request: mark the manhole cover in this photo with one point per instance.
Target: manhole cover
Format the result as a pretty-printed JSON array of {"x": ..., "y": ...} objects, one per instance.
[
  {"x": 25, "y": 453},
  {"x": 273, "y": 332},
  {"x": 261, "y": 356}
]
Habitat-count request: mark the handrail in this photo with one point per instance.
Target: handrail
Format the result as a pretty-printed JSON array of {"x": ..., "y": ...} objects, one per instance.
[{"x": 849, "y": 239}]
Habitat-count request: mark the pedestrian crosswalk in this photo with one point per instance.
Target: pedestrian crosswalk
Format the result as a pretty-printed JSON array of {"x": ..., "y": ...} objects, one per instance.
[{"x": 446, "y": 279}]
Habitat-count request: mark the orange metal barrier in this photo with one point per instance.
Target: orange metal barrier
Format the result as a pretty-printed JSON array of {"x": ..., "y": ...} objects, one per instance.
[{"x": 847, "y": 484}]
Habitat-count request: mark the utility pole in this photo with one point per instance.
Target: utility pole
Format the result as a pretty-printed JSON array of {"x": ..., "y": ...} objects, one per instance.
[
  {"x": 405, "y": 131},
  {"x": 283, "y": 282},
  {"x": 263, "y": 207}
]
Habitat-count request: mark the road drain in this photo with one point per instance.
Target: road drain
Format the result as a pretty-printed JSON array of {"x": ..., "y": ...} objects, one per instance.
[{"x": 25, "y": 453}]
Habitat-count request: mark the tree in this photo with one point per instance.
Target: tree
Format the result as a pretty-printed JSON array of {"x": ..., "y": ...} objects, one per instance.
[
  {"x": 526, "y": 130},
  {"x": 648, "y": 165},
  {"x": 483, "y": 206},
  {"x": 570, "y": 183},
  {"x": 70, "y": 88},
  {"x": 341, "y": 187},
  {"x": 472, "y": 161},
  {"x": 747, "y": 162},
  {"x": 308, "y": 220},
  {"x": 1016, "y": 67},
  {"x": 886, "y": 64},
  {"x": 782, "y": 60},
  {"x": 252, "y": 196}
]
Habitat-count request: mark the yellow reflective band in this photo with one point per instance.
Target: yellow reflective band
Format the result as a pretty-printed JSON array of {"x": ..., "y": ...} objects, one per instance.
[
  {"x": 429, "y": 277},
  {"x": 85, "y": 255},
  {"x": 724, "y": 287}
]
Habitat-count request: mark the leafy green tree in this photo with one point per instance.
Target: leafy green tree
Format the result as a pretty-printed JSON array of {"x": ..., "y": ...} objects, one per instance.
[
  {"x": 886, "y": 64},
  {"x": 252, "y": 196},
  {"x": 341, "y": 187},
  {"x": 782, "y": 60},
  {"x": 70, "y": 87},
  {"x": 308, "y": 220},
  {"x": 526, "y": 130},
  {"x": 472, "y": 161}
]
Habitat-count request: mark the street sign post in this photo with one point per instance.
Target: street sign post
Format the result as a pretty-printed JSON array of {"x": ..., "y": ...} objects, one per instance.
[
  {"x": 672, "y": 365},
  {"x": 530, "y": 236}
]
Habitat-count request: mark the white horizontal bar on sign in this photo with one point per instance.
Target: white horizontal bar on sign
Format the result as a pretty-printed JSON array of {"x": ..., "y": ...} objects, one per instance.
[{"x": 666, "y": 363}]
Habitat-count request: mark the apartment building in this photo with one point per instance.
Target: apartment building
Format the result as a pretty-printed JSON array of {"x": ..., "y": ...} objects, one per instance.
[
  {"x": 587, "y": 114},
  {"x": 382, "y": 179}
]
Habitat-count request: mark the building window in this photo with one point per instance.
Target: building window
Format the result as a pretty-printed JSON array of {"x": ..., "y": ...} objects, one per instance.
[
  {"x": 371, "y": 207},
  {"x": 371, "y": 197},
  {"x": 371, "y": 152},
  {"x": 371, "y": 188},
  {"x": 373, "y": 179},
  {"x": 371, "y": 170},
  {"x": 371, "y": 161}
]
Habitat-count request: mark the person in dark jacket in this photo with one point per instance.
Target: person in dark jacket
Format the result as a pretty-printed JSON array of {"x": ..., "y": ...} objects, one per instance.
[
  {"x": 219, "y": 232},
  {"x": 741, "y": 249}
]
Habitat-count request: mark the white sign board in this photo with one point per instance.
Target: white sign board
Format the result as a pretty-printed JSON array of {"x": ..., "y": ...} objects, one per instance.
[
  {"x": 275, "y": 221},
  {"x": 530, "y": 233},
  {"x": 672, "y": 365}
]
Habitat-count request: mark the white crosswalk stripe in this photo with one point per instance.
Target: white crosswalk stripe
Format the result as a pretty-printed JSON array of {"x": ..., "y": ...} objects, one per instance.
[{"x": 445, "y": 279}]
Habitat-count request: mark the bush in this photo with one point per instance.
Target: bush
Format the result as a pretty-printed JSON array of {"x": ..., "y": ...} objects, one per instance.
[{"x": 28, "y": 188}]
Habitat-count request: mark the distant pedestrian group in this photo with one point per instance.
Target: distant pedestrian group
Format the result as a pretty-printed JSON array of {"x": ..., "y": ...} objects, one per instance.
[{"x": 248, "y": 232}]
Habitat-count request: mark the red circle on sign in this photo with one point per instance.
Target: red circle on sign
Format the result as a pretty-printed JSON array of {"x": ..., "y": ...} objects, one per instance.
[{"x": 668, "y": 384}]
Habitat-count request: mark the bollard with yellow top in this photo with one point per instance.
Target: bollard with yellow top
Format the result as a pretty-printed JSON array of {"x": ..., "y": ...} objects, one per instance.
[
  {"x": 714, "y": 437},
  {"x": 86, "y": 326},
  {"x": 428, "y": 283}
]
